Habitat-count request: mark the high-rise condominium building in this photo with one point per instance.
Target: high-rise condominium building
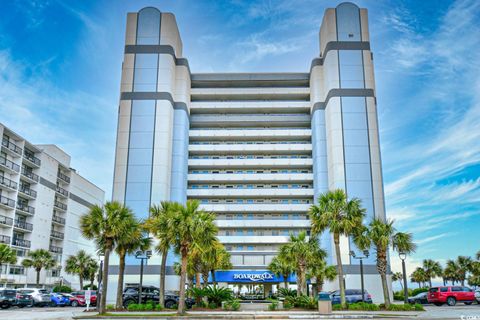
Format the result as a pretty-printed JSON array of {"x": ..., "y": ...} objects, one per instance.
[
  {"x": 257, "y": 149},
  {"x": 41, "y": 200}
]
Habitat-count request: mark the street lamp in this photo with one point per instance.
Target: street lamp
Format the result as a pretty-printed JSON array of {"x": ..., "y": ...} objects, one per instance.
[
  {"x": 100, "y": 281},
  {"x": 142, "y": 255},
  {"x": 365, "y": 255},
  {"x": 403, "y": 256}
]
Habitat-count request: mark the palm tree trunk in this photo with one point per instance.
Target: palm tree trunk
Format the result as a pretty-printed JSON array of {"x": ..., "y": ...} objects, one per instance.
[
  {"x": 38, "y": 277},
  {"x": 430, "y": 282},
  {"x": 382, "y": 270},
  {"x": 386, "y": 296},
  {"x": 183, "y": 275},
  {"x": 103, "y": 297},
  {"x": 214, "y": 281},
  {"x": 121, "y": 271},
  {"x": 205, "y": 279},
  {"x": 198, "y": 300},
  {"x": 163, "y": 268},
  {"x": 336, "y": 240},
  {"x": 418, "y": 285},
  {"x": 81, "y": 283}
]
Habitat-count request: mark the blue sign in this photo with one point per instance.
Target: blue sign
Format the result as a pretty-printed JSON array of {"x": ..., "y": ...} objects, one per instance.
[{"x": 249, "y": 276}]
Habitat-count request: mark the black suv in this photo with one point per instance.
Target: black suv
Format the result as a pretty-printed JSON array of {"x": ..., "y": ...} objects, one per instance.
[
  {"x": 151, "y": 293},
  {"x": 8, "y": 298}
]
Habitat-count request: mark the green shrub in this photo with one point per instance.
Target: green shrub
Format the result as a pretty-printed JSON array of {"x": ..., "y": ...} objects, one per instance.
[
  {"x": 174, "y": 306},
  {"x": 158, "y": 307},
  {"x": 64, "y": 289},
  {"x": 417, "y": 291},
  {"x": 398, "y": 296},
  {"x": 212, "y": 305},
  {"x": 363, "y": 306},
  {"x": 405, "y": 307},
  {"x": 232, "y": 305},
  {"x": 196, "y": 293},
  {"x": 110, "y": 307},
  {"x": 148, "y": 307},
  {"x": 337, "y": 307},
  {"x": 201, "y": 304},
  {"x": 216, "y": 295},
  {"x": 87, "y": 286},
  {"x": 418, "y": 307},
  {"x": 133, "y": 307},
  {"x": 287, "y": 305},
  {"x": 286, "y": 292},
  {"x": 273, "y": 305},
  {"x": 306, "y": 302}
]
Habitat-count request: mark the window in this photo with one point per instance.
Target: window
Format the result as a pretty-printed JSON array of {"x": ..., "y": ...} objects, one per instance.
[
  {"x": 456, "y": 289},
  {"x": 274, "y": 232},
  {"x": 250, "y": 248},
  {"x": 250, "y": 232}
]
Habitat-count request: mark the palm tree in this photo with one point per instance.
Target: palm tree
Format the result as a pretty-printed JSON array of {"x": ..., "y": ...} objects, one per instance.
[
  {"x": 419, "y": 277},
  {"x": 382, "y": 235},
  {"x": 321, "y": 271},
  {"x": 432, "y": 269},
  {"x": 78, "y": 264},
  {"x": 193, "y": 228},
  {"x": 131, "y": 241},
  {"x": 221, "y": 261},
  {"x": 157, "y": 225},
  {"x": 214, "y": 257},
  {"x": 39, "y": 259},
  {"x": 341, "y": 217},
  {"x": 477, "y": 255},
  {"x": 91, "y": 271},
  {"x": 7, "y": 256},
  {"x": 280, "y": 266},
  {"x": 398, "y": 276},
  {"x": 464, "y": 266},
  {"x": 106, "y": 225},
  {"x": 451, "y": 271},
  {"x": 299, "y": 251}
]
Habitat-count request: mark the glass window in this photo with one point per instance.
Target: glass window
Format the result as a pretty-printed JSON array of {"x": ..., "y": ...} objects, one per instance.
[
  {"x": 250, "y": 248},
  {"x": 146, "y": 71},
  {"x": 148, "y": 29},
  {"x": 348, "y": 22}
]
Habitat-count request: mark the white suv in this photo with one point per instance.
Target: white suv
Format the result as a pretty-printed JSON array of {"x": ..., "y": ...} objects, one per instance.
[
  {"x": 39, "y": 296},
  {"x": 477, "y": 295}
]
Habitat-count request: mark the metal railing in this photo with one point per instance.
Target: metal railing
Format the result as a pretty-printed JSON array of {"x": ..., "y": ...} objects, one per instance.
[
  {"x": 62, "y": 191},
  {"x": 11, "y": 146},
  {"x": 5, "y": 239},
  {"x": 6, "y": 221},
  {"x": 63, "y": 177},
  {"x": 8, "y": 183},
  {"x": 28, "y": 191},
  {"x": 9, "y": 164},
  {"x": 7, "y": 202},
  {"x": 60, "y": 205},
  {"x": 23, "y": 225},
  {"x": 25, "y": 208},
  {"x": 58, "y": 219},
  {"x": 21, "y": 243},
  {"x": 56, "y": 234},
  {"x": 30, "y": 157},
  {"x": 55, "y": 249},
  {"x": 29, "y": 174}
]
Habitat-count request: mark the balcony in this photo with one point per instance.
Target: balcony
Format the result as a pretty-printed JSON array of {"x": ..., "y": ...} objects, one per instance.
[
  {"x": 30, "y": 157},
  {"x": 253, "y": 239},
  {"x": 256, "y": 207},
  {"x": 253, "y": 193},
  {"x": 248, "y": 134},
  {"x": 250, "y": 177},
  {"x": 57, "y": 235},
  {"x": 63, "y": 177},
  {"x": 225, "y": 224},
  {"x": 58, "y": 220},
  {"x": 32, "y": 177},
  {"x": 5, "y": 221},
  {"x": 12, "y": 148},
  {"x": 21, "y": 243},
  {"x": 8, "y": 184},
  {"x": 29, "y": 193},
  {"x": 24, "y": 226},
  {"x": 250, "y": 149},
  {"x": 7, "y": 203},
  {"x": 24, "y": 208},
  {"x": 9, "y": 165},
  {"x": 62, "y": 192},
  {"x": 249, "y": 163},
  {"x": 55, "y": 249},
  {"x": 59, "y": 205},
  {"x": 4, "y": 239}
]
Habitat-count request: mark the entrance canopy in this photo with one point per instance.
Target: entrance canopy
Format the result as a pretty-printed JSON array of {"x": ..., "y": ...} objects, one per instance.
[{"x": 250, "y": 276}]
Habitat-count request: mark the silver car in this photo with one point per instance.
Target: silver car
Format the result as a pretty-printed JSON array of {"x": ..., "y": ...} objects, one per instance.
[
  {"x": 40, "y": 297},
  {"x": 477, "y": 295}
]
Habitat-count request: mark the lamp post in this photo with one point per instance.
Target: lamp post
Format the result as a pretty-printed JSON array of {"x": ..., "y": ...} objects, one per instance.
[
  {"x": 365, "y": 255},
  {"x": 99, "y": 280},
  {"x": 403, "y": 256},
  {"x": 142, "y": 255}
]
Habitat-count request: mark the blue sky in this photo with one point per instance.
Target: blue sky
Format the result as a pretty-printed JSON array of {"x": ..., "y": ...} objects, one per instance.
[{"x": 60, "y": 64}]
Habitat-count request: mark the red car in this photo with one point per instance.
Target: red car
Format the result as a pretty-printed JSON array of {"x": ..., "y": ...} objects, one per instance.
[
  {"x": 81, "y": 296},
  {"x": 450, "y": 295}
]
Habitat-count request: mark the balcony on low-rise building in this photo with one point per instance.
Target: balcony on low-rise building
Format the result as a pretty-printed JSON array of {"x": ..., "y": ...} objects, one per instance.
[
  {"x": 7, "y": 184},
  {"x": 11, "y": 147},
  {"x": 63, "y": 177},
  {"x": 30, "y": 157},
  {"x": 61, "y": 192},
  {"x": 10, "y": 166},
  {"x": 23, "y": 225},
  {"x": 4, "y": 239},
  {"x": 58, "y": 220},
  {"x": 25, "y": 208},
  {"x": 57, "y": 234},
  {"x": 7, "y": 203},
  {"x": 60, "y": 206},
  {"x": 27, "y": 192},
  {"x": 21, "y": 243},
  {"x": 6, "y": 221},
  {"x": 27, "y": 173}
]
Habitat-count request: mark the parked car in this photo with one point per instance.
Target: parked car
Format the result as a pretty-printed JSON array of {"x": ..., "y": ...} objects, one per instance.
[
  {"x": 420, "y": 298},
  {"x": 351, "y": 296},
  {"x": 58, "y": 300},
  {"x": 40, "y": 297},
  {"x": 450, "y": 295},
  {"x": 81, "y": 296},
  {"x": 23, "y": 299},
  {"x": 8, "y": 298},
  {"x": 75, "y": 301},
  {"x": 477, "y": 295},
  {"x": 151, "y": 293}
]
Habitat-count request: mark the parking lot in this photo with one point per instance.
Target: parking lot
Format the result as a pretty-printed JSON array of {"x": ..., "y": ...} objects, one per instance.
[{"x": 460, "y": 312}]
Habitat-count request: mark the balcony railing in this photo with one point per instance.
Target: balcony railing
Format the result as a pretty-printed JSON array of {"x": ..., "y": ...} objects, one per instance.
[
  {"x": 8, "y": 183},
  {"x": 6, "y": 221},
  {"x": 60, "y": 205},
  {"x": 63, "y": 177},
  {"x": 25, "y": 208},
  {"x": 7, "y": 202},
  {"x": 9, "y": 164},
  {"x": 62, "y": 191},
  {"x": 30, "y": 157},
  {"x": 28, "y": 191},
  {"x": 58, "y": 219},
  {"x": 29, "y": 174},
  {"x": 55, "y": 249},
  {"x": 11, "y": 146},
  {"x": 21, "y": 243},
  {"x": 5, "y": 239},
  {"x": 23, "y": 225},
  {"x": 56, "y": 234}
]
